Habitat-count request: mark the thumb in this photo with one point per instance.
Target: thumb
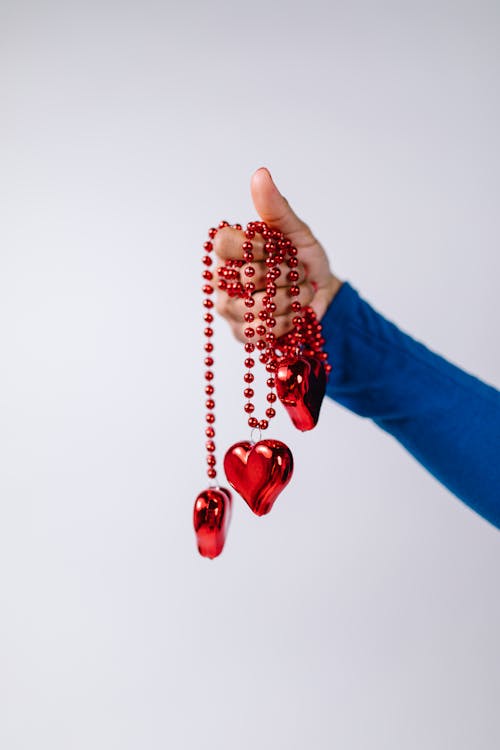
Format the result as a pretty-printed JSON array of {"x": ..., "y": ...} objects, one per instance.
[{"x": 274, "y": 209}]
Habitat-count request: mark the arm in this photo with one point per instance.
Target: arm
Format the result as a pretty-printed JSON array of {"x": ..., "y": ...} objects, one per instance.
[{"x": 447, "y": 419}]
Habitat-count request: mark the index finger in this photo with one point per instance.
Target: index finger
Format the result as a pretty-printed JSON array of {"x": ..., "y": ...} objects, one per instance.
[{"x": 228, "y": 243}]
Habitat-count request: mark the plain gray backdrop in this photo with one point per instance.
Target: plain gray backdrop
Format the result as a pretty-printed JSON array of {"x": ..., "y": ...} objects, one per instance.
[{"x": 364, "y": 612}]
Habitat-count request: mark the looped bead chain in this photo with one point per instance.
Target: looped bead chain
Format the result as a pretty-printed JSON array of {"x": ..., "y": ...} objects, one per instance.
[{"x": 296, "y": 369}]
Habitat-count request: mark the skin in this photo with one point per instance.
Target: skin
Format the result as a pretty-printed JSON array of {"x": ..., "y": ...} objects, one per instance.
[{"x": 318, "y": 285}]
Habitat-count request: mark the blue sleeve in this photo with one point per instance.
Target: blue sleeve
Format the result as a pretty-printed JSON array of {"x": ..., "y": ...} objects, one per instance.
[{"x": 447, "y": 419}]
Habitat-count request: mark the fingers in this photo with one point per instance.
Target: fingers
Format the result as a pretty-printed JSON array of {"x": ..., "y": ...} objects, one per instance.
[
  {"x": 234, "y": 309},
  {"x": 259, "y": 271},
  {"x": 228, "y": 243}
]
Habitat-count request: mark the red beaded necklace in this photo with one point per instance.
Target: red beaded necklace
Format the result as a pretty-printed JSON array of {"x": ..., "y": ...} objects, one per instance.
[{"x": 297, "y": 370}]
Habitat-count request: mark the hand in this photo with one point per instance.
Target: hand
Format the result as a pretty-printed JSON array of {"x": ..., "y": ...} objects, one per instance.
[{"x": 318, "y": 285}]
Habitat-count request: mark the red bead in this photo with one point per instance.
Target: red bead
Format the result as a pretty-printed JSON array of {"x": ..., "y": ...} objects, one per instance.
[
  {"x": 271, "y": 366},
  {"x": 211, "y": 473},
  {"x": 270, "y": 413},
  {"x": 249, "y": 347},
  {"x": 250, "y": 287},
  {"x": 249, "y": 302},
  {"x": 207, "y": 289},
  {"x": 210, "y": 432},
  {"x": 208, "y": 246},
  {"x": 261, "y": 345},
  {"x": 249, "y": 362},
  {"x": 249, "y": 408},
  {"x": 248, "y": 392},
  {"x": 296, "y": 306},
  {"x": 209, "y": 375},
  {"x": 208, "y": 332},
  {"x": 270, "y": 383},
  {"x": 209, "y": 389},
  {"x": 248, "y": 257},
  {"x": 249, "y": 332},
  {"x": 294, "y": 291},
  {"x": 250, "y": 234},
  {"x": 208, "y": 303},
  {"x": 260, "y": 330},
  {"x": 210, "y": 403},
  {"x": 263, "y": 424},
  {"x": 210, "y": 445},
  {"x": 292, "y": 262},
  {"x": 208, "y": 318},
  {"x": 223, "y": 224},
  {"x": 271, "y": 397},
  {"x": 263, "y": 315},
  {"x": 271, "y": 307},
  {"x": 270, "y": 338},
  {"x": 208, "y": 361},
  {"x": 210, "y": 418},
  {"x": 271, "y": 289},
  {"x": 212, "y": 232},
  {"x": 207, "y": 275},
  {"x": 248, "y": 377},
  {"x": 211, "y": 460},
  {"x": 249, "y": 317},
  {"x": 253, "y": 422},
  {"x": 250, "y": 271},
  {"x": 297, "y": 320},
  {"x": 271, "y": 322},
  {"x": 207, "y": 260}
]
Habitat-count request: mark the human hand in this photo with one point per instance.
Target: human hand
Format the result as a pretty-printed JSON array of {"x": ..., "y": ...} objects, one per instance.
[{"x": 318, "y": 286}]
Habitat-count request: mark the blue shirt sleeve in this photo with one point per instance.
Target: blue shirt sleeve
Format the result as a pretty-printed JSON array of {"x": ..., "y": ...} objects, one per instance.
[{"x": 447, "y": 419}]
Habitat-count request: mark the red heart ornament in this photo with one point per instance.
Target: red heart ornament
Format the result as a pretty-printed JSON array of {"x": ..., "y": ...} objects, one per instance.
[
  {"x": 259, "y": 472},
  {"x": 211, "y": 516},
  {"x": 301, "y": 385}
]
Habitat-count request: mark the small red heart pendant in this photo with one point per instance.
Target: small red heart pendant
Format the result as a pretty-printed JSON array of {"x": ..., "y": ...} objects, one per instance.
[
  {"x": 300, "y": 385},
  {"x": 211, "y": 516},
  {"x": 259, "y": 472}
]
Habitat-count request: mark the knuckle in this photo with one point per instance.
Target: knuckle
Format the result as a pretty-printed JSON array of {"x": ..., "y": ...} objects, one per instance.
[
  {"x": 238, "y": 333},
  {"x": 221, "y": 304},
  {"x": 221, "y": 241}
]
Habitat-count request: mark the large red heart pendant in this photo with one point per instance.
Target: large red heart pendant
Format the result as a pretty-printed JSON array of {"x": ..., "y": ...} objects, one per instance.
[
  {"x": 259, "y": 472},
  {"x": 300, "y": 385},
  {"x": 211, "y": 516}
]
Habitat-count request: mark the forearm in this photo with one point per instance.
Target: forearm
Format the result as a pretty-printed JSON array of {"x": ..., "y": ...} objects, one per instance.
[{"x": 447, "y": 419}]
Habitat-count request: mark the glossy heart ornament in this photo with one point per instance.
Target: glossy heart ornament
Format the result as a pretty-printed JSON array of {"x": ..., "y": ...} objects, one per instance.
[
  {"x": 211, "y": 516},
  {"x": 259, "y": 472},
  {"x": 301, "y": 385}
]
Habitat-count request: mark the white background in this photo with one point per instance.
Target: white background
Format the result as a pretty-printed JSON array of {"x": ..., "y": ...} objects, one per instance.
[{"x": 364, "y": 612}]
